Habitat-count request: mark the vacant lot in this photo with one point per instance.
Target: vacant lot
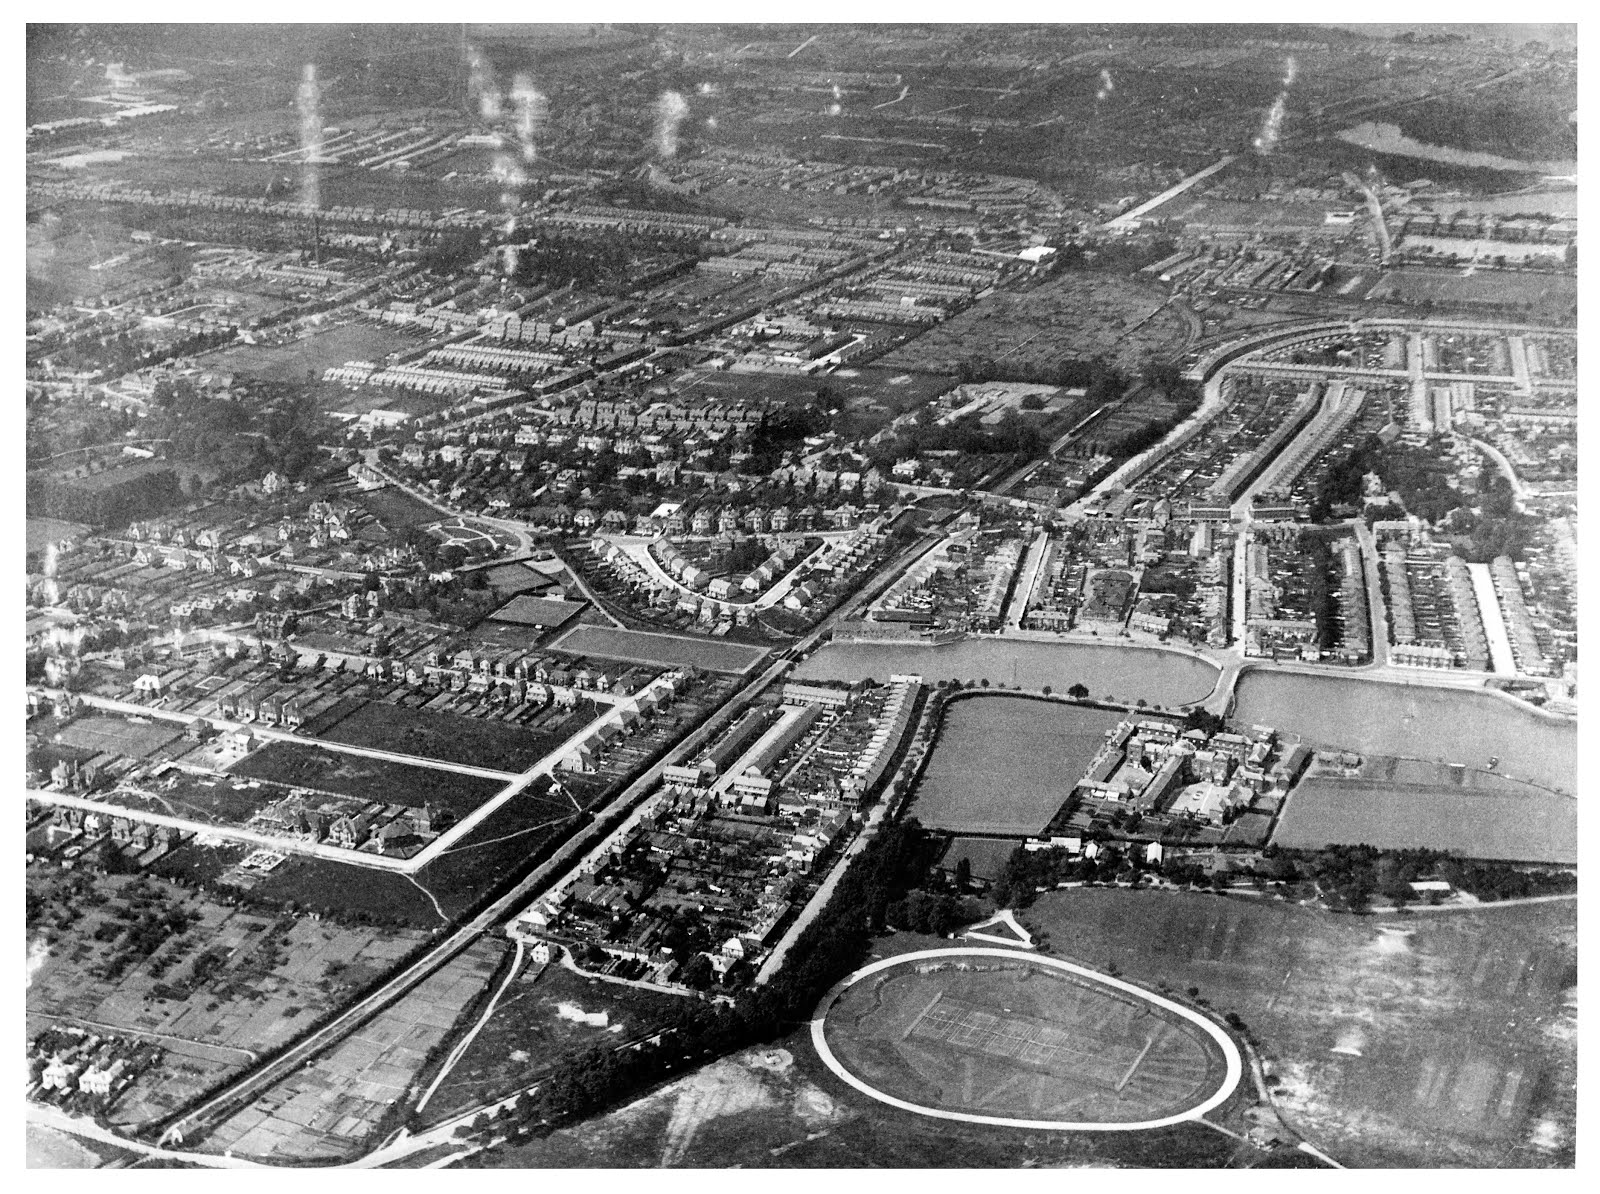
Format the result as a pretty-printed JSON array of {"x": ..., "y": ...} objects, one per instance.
[
  {"x": 667, "y": 650},
  {"x": 1431, "y": 1039},
  {"x": 211, "y": 799},
  {"x": 547, "y": 1013},
  {"x": 1535, "y": 826},
  {"x": 1006, "y": 764},
  {"x": 366, "y": 779},
  {"x": 1074, "y": 317},
  {"x": 1015, "y": 1039},
  {"x": 450, "y": 737}
]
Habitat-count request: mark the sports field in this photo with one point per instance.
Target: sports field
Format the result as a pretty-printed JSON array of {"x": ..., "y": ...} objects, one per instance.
[
  {"x": 666, "y": 650},
  {"x": 1530, "y": 826},
  {"x": 1006, "y": 764},
  {"x": 1428, "y": 1039},
  {"x": 118, "y": 735},
  {"x": 1020, "y": 1040}
]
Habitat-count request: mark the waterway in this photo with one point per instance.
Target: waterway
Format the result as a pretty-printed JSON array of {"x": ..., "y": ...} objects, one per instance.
[
  {"x": 1166, "y": 678},
  {"x": 1446, "y": 724},
  {"x": 1387, "y": 138},
  {"x": 1006, "y": 764}
]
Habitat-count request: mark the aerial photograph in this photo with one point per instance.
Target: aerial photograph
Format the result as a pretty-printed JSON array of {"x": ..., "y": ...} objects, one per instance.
[{"x": 801, "y": 596}]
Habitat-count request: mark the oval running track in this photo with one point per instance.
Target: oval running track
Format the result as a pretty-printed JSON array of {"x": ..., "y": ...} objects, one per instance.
[{"x": 1230, "y": 1051}]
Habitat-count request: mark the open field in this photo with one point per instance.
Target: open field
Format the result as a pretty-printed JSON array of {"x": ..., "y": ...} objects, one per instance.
[
  {"x": 1110, "y": 316},
  {"x": 1007, "y": 764},
  {"x": 214, "y": 800},
  {"x": 540, "y": 1019},
  {"x": 1020, "y": 1038},
  {"x": 327, "y": 887},
  {"x": 1439, "y": 1039},
  {"x": 1533, "y": 826},
  {"x": 331, "y": 1106},
  {"x": 1437, "y": 724},
  {"x": 359, "y": 341},
  {"x": 366, "y": 779},
  {"x": 118, "y": 735},
  {"x": 453, "y": 738},
  {"x": 49, "y": 530},
  {"x": 396, "y": 509},
  {"x": 667, "y": 650},
  {"x": 780, "y": 1106},
  {"x": 1547, "y": 292}
]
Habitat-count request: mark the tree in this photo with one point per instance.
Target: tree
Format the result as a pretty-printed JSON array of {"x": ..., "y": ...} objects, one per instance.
[{"x": 963, "y": 872}]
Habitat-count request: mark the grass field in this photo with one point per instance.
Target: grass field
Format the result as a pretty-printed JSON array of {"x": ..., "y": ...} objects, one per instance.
[
  {"x": 366, "y": 779},
  {"x": 538, "y": 1021},
  {"x": 779, "y": 1106},
  {"x": 396, "y": 509},
  {"x": 666, "y": 650},
  {"x": 1534, "y": 826},
  {"x": 1547, "y": 292},
  {"x": 450, "y": 737},
  {"x": 118, "y": 735},
  {"x": 1014, "y": 1039},
  {"x": 359, "y": 341},
  {"x": 1007, "y": 764},
  {"x": 41, "y": 531},
  {"x": 1434, "y": 1039},
  {"x": 217, "y": 801}
]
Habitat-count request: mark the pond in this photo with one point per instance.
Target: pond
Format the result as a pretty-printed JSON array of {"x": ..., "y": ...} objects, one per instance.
[
  {"x": 1118, "y": 673},
  {"x": 1451, "y": 725},
  {"x": 1387, "y": 138}
]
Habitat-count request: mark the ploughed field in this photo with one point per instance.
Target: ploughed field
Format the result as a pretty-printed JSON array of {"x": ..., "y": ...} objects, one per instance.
[
  {"x": 1012, "y": 1038},
  {"x": 1006, "y": 764},
  {"x": 1426, "y": 1039}
]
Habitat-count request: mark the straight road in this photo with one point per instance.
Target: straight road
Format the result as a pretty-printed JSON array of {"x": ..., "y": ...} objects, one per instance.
[
  {"x": 251, "y": 1085},
  {"x": 1027, "y": 580}
]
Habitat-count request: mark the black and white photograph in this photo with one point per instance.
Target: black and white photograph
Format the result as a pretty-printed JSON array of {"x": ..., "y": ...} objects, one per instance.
[{"x": 927, "y": 590}]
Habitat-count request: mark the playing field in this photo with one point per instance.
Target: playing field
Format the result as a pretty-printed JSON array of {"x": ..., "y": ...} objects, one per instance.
[
  {"x": 1530, "y": 826},
  {"x": 1423, "y": 1040},
  {"x": 999, "y": 1037},
  {"x": 667, "y": 650},
  {"x": 1006, "y": 764},
  {"x": 118, "y": 736}
]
